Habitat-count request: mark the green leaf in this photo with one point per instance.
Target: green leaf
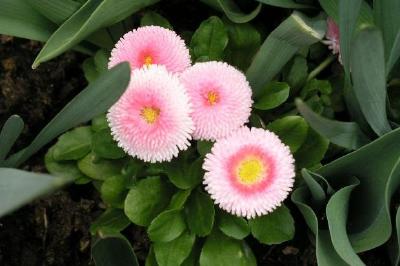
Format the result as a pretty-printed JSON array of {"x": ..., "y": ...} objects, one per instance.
[
  {"x": 110, "y": 221},
  {"x": 103, "y": 145},
  {"x": 184, "y": 175},
  {"x": 174, "y": 252},
  {"x": 344, "y": 134},
  {"x": 312, "y": 151},
  {"x": 274, "y": 94},
  {"x": 368, "y": 72},
  {"x": 73, "y": 145},
  {"x": 284, "y": 3},
  {"x": 9, "y": 133},
  {"x": 244, "y": 42},
  {"x": 99, "y": 123},
  {"x": 179, "y": 199},
  {"x": 233, "y": 226},
  {"x": 17, "y": 18},
  {"x": 200, "y": 213},
  {"x": 167, "y": 226},
  {"x": 55, "y": 10},
  {"x": 93, "y": 15},
  {"x": 100, "y": 169},
  {"x": 153, "y": 18},
  {"x": 222, "y": 250},
  {"x": 89, "y": 70},
  {"x": 297, "y": 74},
  {"x": 67, "y": 169},
  {"x": 331, "y": 7},
  {"x": 113, "y": 190},
  {"x": 394, "y": 54},
  {"x": 291, "y": 35},
  {"x": 386, "y": 14},
  {"x": 151, "y": 258},
  {"x": 273, "y": 228},
  {"x": 233, "y": 12},
  {"x": 101, "y": 59},
  {"x": 292, "y": 130},
  {"x": 18, "y": 187},
  {"x": 92, "y": 101},
  {"x": 204, "y": 147},
  {"x": 394, "y": 244},
  {"x": 209, "y": 40},
  {"x": 146, "y": 200},
  {"x": 113, "y": 250}
]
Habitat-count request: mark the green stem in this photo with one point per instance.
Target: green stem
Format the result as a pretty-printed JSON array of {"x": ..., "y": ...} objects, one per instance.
[{"x": 321, "y": 67}]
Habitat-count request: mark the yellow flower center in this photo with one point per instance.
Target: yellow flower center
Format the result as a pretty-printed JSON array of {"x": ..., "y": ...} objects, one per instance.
[
  {"x": 212, "y": 97},
  {"x": 251, "y": 171},
  {"x": 150, "y": 114},
  {"x": 148, "y": 60}
]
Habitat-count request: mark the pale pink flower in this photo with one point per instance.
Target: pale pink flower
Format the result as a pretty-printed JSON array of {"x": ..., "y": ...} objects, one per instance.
[
  {"x": 249, "y": 173},
  {"x": 221, "y": 99},
  {"x": 333, "y": 37},
  {"x": 151, "y": 45},
  {"x": 152, "y": 120}
]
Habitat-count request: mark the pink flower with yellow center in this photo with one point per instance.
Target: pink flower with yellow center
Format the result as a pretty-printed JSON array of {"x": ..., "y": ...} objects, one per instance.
[
  {"x": 151, "y": 45},
  {"x": 151, "y": 120},
  {"x": 221, "y": 99},
  {"x": 249, "y": 173}
]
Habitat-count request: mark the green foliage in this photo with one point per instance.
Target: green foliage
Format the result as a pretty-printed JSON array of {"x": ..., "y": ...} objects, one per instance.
[
  {"x": 73, "y": 145},
  {"x": 274, "y": 94},
  {"x": 167, "y": 226},
  {"x": 153, "y": 18},
  {"x": 111, "y": 221},
  {"x": 233, "y": 226},
  {"x": 9, "y": 133},
  {"x": 104, "y": 146},
  {"x": 99, "y": 169},
  {"x": 174, "y": 252}
]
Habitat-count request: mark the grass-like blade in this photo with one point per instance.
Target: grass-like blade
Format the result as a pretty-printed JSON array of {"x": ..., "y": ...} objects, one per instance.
[{"x": 10, "y": 132}]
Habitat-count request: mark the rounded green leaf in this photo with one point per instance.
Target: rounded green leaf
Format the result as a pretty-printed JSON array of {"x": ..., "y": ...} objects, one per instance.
[
  {"x": 273, "y": 228},
  {"x": 179, "y": 199},
  {"x": 200, "y": 213},
  {"x": 153, "y": 18},
  {"x": 99, "y": 123},
  {"x": 222, "y": 250},
  {"x": 275, "y": 93},
  {"x": 184, "y": 175},
  {"x": 113, "y": 190},
  {"x": 110, "y": 221},
  {"x": 204, "y": 147},
  {"x": 67, "y": 169},
  {"x": 292, "y": 130},
  {"x": 174, "y": 252},
  {"x": 233, "y": 226},
  {"x": 103, "y": 145},
  {"x": 210, "y": 39},
  {"x": 146, "y": 200},
  {"x": 312, "y": 151},
  {"x": 167, "y": 226},
  {"x": 73, "y": 145},
  {"x": 100, "y": 169}
]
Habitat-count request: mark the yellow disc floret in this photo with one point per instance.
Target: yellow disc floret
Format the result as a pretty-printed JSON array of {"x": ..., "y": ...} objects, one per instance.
[
  {"x": 150, "y": 114},
  {"x": 212, "y": 97},
  {"x": 251, "y": 171},
  {"x": 148, "y": 60}
]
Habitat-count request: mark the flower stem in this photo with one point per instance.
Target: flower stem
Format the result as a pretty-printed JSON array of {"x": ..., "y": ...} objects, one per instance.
[{"x": 321, "y": 67}]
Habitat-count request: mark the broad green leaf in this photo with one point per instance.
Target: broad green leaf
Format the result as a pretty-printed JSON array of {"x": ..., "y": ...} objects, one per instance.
[
  {"x": 113, "y": 190},
  {"x": 337, "y": 213},
  {"x": 312, "y": 151},
  {"x": 92, "y": 101},
  {"x": 331, "y": 7},
  {"x": 233, "y": 12},
  {"x": 368, "y": 72},
  {"x": 174, "y": 252},
  {"x": 222, "y": 250},
  {"x": 297, "y": 74},
  {"x": 244, "y": 42},
  {"x": 179, "y": 199},
  {"x": 110, "y": 221},
  {"x": 111, "y": 250},
  {"x": 93, "y": 15},
  {"x": 273, "y": 228},
  {"x": 184, "y": 175},
  {"x": 348, "y": 14},
  {"x": 146, "y": 200},
  {"x": 153, "y": 18},
  {"x": 67, "y": 169},
  {"x": 292, "y": 130},
  {"x": 99, "y": 123},
  {"x": 55, "y": 10},
  {"x": 89, "y": 70},
  {"x": 104, "y": 146},
  {"x": 167, "y": 226},
  {"x": 200, "y": 213},
  {"x": 394, "y": 244},
  {"x": 101, "y": 59},
  {"x": 274, "y": 94},
  {"x": 284, "y": 3},
  {"x": 394, "y": 54},
  {"x": 291, "y": 35},
  {"x": 204, "y": 147},
  {"x": 9, "y": 133},
  {"x": 344, "y": 134},
  {"x": 18, "y": 187},
  {"x": 17, "y": 18},
  {"x": 209, "y": 40},
  {"x": 386, "y": 14},
  {"x": 318, "y": 193},
  {"x": 151, "y": 258},
  {"x": 233, "y": 226},
  {"x": 73, "y": 145},
  {"x": 100, "y": 169}
]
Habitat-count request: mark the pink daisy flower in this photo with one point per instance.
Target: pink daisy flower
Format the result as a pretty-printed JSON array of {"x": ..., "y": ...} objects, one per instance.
[
  {"x": 249, "y": 173},
  {"x": 221, "y": 99},
  {"x": 333, "y": 37},
  {"x": 152, "y": 120},
  {"x": 151, "y": 45}
]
